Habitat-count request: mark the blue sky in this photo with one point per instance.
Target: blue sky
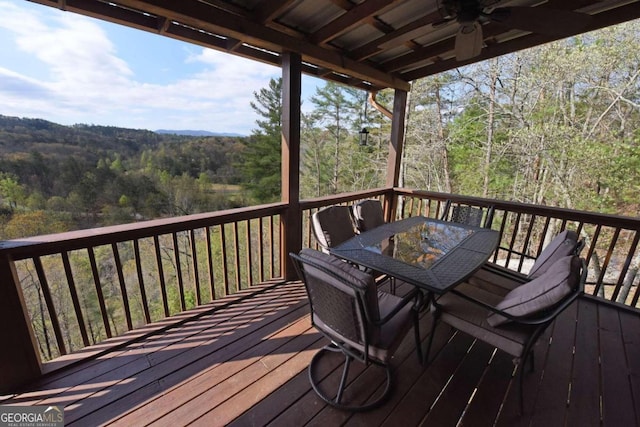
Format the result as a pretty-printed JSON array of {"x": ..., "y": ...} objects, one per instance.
[{"x": 70, "y": 69}]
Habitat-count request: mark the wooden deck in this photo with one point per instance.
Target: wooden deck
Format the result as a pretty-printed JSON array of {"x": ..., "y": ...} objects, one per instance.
[{"x": 245, "y": 364}]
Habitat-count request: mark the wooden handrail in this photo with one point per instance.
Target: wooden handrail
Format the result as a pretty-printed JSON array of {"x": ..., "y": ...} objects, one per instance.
[
  {"x": 538, "y": 210},
  {"x": 29, "y": 247}
]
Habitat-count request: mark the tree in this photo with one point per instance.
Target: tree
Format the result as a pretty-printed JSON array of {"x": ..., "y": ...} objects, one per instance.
[
  {"x": 261, "y": 163},
  {"x": 11, "y": 192},
  {"x": 426, "y": 154},
  {"x": 334, "y": 110}
]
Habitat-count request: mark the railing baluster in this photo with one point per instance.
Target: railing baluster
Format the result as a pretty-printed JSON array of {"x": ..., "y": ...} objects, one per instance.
[
  {"x": 236, "y": 248},
  {"x": 592, "y": 246},
  {"x": 123, "y": 286},
  {"x": 625, "y": 269},
  {"x": 605, "y": 265},
  {"x": 163, "y": 283},
  {"x": 277, "y": 251},
  {"x": 543, "y": 235},
  {"x": 501, "y": 233},
  {"x": 99, "y": 293},
  {"x": 261, "y": 249},
  {"x": 143, "y": 292},
  {"x": 176, "y": 258},
  {"x": 248, "y": 253},
  {"x": 53, "y": 315},
  {"x": 194, "y": 265},
  {"x": 74, "y": 298},
  {"x": 514, "y": 234},
  {"x": 210, "y": 263},
  {"x": 271, "y": 250},
  {"x": 636, "y": 296},
  {"x": 223, "y": 248},
  {"x": 527, "y": 239}
]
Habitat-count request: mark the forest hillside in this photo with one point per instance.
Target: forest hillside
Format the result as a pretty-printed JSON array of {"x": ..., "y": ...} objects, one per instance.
[{"x": 57, "y": 178}]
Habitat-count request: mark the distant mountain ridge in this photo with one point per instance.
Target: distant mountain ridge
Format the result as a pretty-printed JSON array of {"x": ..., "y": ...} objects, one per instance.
[
  {"x": 20, "y": 136},
  {"x": 187, "y": 132}
]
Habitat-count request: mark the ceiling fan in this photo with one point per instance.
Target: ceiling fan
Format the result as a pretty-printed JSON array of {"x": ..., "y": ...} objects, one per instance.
[{"x": 470, "y": 14}]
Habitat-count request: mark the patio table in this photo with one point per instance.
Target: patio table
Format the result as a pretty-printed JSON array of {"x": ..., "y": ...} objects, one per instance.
[{"x": 431, "y": 254}]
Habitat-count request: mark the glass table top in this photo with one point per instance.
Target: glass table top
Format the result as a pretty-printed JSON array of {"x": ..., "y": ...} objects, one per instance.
[
  {"x": 433, "y": 254},
  {"x": 422, "y": 244}
]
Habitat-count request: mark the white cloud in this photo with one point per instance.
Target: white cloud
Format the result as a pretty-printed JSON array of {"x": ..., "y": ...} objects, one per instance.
[{"x": 83, "y": 79}]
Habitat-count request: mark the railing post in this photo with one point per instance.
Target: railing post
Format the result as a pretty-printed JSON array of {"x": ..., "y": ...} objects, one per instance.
[
  {"x": 291, "y": 220},
  {"x": 19, "y": 358}
]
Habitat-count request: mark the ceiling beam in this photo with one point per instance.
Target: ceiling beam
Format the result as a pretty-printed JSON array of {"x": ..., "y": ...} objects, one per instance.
[
  {"x": 395, "y": 38},
  {"x": 268, "y": 9},
  {"x": 345, "y": 22}
]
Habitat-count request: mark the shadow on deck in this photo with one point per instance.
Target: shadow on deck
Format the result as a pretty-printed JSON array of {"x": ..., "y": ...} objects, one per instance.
[{"x": 245, "y": 364}]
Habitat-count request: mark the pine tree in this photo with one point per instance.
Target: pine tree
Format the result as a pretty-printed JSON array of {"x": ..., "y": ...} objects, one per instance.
[{"x": 261, "y": 163}]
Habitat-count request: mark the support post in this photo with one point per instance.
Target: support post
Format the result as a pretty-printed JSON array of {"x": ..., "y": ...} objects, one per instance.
[
  {"x": 291, "y": 220},
  {"x": 19, "y": 358},
  {"x": 395, "y": 147}
]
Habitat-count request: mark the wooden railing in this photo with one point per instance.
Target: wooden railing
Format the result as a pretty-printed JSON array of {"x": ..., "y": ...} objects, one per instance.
[
  {"x": 82, "y": 287},
  {"x": 76, "y": 289},
  {"x": 611, "y": 241}
]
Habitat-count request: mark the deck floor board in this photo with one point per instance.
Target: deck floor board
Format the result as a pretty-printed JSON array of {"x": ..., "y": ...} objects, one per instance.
[{"x": 246, "y": 364}]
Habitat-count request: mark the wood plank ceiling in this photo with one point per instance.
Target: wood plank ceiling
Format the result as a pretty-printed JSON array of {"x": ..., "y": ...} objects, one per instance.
[{"x": 370, "y": 44}]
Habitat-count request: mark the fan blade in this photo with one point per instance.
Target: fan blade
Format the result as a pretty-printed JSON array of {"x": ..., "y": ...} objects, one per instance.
[
  {"x": 468, "y": 40},
  {"x": 551, "y": 22}
]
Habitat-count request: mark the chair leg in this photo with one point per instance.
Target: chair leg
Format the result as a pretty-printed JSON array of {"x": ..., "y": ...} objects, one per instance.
[
  {"x": 416, "y": 331},
  {"x": 343, "y": 380},
  {"x": 521, "y": 391},
  {"x": 436, "y": 317}
]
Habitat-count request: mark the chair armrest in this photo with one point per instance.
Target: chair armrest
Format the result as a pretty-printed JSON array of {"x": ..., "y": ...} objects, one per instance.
[
  {"x": 506, "y": 272},
  {"x": 414, "y": 295},
  {"x": 535, "y": 319}
]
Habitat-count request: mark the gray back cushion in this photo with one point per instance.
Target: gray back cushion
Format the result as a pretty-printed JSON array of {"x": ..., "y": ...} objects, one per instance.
[
  {"x": 368, "y": 214},
  {"x": 540, "y": 293},
  {"x": 562, "y": 245},
  {"x": 353, "y": 279},
  {"x": 333, "y": 225}
]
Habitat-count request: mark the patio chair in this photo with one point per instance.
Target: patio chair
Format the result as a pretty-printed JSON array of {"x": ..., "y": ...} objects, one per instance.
[
  {"x": 363, "y": 323},
  {"x": 367, "y": 214},
  {"x": 468, "y": 215},
  {"x": 332, "y": 226},
  {"x": 513, "y": 322}
]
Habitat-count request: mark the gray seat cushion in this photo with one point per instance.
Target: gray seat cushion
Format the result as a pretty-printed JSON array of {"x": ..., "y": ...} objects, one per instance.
[
  {"x": 540, "y": 293},
  {"x": 471, "y": 318}
]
